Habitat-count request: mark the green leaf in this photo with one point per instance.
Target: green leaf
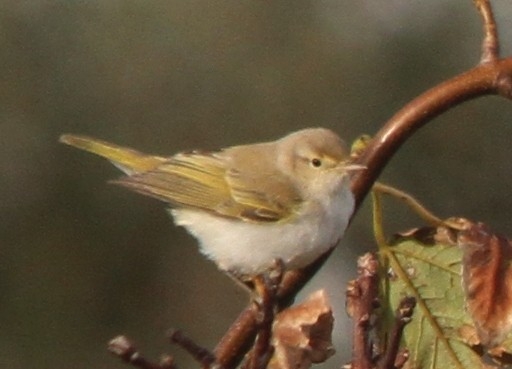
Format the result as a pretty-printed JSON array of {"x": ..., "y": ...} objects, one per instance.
[{"x": 432, "y": 274}]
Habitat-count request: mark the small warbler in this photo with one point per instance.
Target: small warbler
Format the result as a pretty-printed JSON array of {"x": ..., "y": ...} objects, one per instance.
[{"x": 248, "y": 205}]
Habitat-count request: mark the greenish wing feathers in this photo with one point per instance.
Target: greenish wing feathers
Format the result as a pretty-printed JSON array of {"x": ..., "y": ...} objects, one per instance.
[
  {"x": 271, "y": 200},
  {"x": 183, "y": 180},
  {"x": 202, "y": 181}
]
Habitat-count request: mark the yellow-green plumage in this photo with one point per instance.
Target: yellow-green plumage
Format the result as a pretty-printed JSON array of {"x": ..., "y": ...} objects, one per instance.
[
  {"x": 248, "y": 205},
  {"x": 214, "y": 182}
]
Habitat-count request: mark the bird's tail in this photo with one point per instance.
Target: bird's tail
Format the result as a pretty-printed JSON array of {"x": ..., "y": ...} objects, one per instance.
[{"x": 128, "y": 160}]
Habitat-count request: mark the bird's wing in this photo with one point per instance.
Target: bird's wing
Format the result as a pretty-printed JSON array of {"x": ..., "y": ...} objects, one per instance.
[
  {"x": 265, "y": 196},
  {"x": 188, "y": 179},
  {"x": 210, "y": 182}
]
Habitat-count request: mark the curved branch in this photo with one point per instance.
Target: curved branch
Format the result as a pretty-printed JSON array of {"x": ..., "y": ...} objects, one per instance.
[
  {"x": 491, "y": 77},
  {"x": 486, "y": 79}
]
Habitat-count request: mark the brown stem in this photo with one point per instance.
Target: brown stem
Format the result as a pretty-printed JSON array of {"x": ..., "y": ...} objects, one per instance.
[
  {"x": 490, "y": 44},
  {"x": 200, "y": 354},
  {"x": 401, "y": 359},
  {"x": 403, "y": 316},
  {"x": 362, "y": 298},
  {"x": 266, "y": 287},
  {"x": 123, "y": 348},
  {"x": 238, "y": 339}
]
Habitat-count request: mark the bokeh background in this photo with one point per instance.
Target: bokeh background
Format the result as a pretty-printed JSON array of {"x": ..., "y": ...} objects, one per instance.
[{"x": 82, "y": 261}]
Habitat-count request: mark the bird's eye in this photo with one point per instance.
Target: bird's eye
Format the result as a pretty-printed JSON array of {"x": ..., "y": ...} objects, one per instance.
[{"x": 316, "y": 162}]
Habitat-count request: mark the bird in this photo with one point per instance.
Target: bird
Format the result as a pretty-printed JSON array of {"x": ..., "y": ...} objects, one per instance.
[{"x": 248, "y": 205}]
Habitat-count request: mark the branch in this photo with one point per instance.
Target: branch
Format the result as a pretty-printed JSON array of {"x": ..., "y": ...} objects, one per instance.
[
  {"x": 492, "y": 77},
  {"x": 240, "y": 336},
  {"x": 393, "y": 357},
  {"x": 199, "y": 353},
  {"x": 486, "y": 79},
  {"x": 123, "y": 348},
  {"x": 362, "y": 299},
  {"x": 490, "y": 44},
  {"x": 266, "y": 287}
]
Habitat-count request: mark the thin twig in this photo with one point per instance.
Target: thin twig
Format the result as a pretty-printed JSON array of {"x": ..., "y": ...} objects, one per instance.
[
  {"x": 490, "y": 44},
  {"x": 238, "y": 339},
  {"x": 260, "y": 354},
  {"x": 401, "y": 359},
  {"x": 362, "y": 298},
  {"x": 415, "y": 206},
  {"x": 402, "y": 318},
  {"x": 123, "y": 348},
  {"x": 410, "y": 201},
  {"x": 266, "y": 287},
  {"x": 200, "y": 354}
]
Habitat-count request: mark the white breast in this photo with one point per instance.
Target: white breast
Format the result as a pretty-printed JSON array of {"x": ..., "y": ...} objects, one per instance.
[{"x": 250, "y": 248}]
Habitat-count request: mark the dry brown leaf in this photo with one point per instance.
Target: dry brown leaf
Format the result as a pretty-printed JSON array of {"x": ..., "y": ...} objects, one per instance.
[
  {"x": 487, "y": 281},
  {"x": 302, "y": 334}
]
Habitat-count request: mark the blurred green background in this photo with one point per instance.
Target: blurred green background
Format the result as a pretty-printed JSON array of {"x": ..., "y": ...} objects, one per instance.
[{"x": 82, "y": 261}]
